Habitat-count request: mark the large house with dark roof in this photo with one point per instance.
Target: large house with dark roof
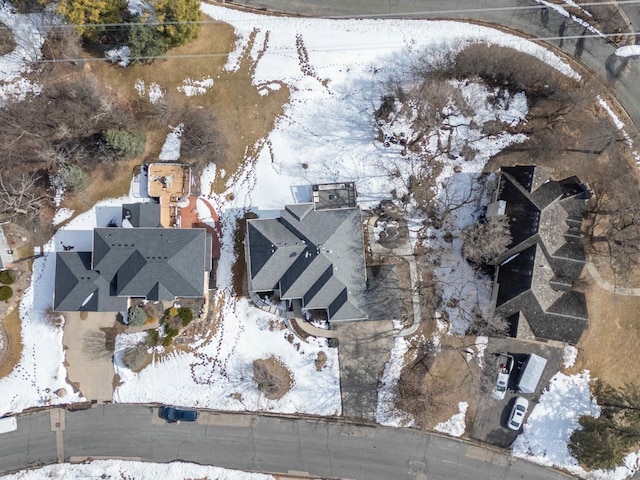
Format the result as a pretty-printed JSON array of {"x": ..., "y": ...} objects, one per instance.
[
  {"x": 153, "y": 263},
  {"x": 533, "y": 279},
  {"x": 312, "y": 256}
]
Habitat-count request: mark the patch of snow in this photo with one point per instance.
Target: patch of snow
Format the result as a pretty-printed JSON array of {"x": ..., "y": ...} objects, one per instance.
[
  {"x": 620, "y": 126},
  {"x": 171, "y": 148},
  {"x": 569, "y": 356},
  {"x": 120, "y": 55},
  {"x": 61, "y": 215},
  {"x": 137, "y": 470},
  {"x": 40, "y": 371},
  {"x": 481, "y": 346},
  {"x": 382, "y": 38},
  {"x": 550, "y": 424},
  {"x": 29, "y": 34},
  {"x": 386, "y": 413},
  {"x": 563, "y": 11},
  {"x": 139, "y": 7},
  {"x": 192, "y": 87},
  {"x": 628, "y": 51},
  {"x": 219, "y": 372},
  {"x": 155, "y": 91},
  {"x": 455, "y": 426}
]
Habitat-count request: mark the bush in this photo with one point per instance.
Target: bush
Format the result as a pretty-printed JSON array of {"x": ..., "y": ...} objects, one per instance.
[
  {"x": 153, "y": 337},
  {"x": 180, "y": 17},
  {"x": 125, "y": 143},
  {"x": 74, "y": 177},
  {"x": 173, "y": 312},
  {"x": 186, "y": 315},
  {"x": 6, "y": 292},
  {"x": 145, "y": 43},
  {"x": 137, "y": 316},
  {"x": 134, "y": 357},
  {"x": 7, "y": 277}
]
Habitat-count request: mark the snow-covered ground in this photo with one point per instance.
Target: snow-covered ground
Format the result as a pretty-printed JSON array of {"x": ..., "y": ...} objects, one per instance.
[
  {"x": 28, "y": 34},
  {"x": 138, "y": 470},
  {"x": 455, "y": 426},
  {"x": 335, "y": 71}
]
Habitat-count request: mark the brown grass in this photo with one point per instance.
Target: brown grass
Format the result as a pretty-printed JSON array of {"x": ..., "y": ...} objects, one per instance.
[
  {"x": 244, "y": 115},
  {"x": 7, "y": 43},
  {"x": 11, "y": 324},
  {"x": 435, "y": 386},
  {"x": 609, "y": 346},
  {"x": 107, "y": 181},
  {"x": 273, "y": 378}
]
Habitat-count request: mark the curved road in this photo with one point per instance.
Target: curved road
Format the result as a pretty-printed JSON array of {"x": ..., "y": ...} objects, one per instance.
[
  {"x": 321, "y": 448},
  {"x": 594, "y": 52}
]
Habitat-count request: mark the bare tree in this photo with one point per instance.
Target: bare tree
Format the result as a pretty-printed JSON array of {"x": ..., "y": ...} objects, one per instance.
[
  {"x": 483, "y": 242},
  {"x": 20, "y": 196},
  {"x": 495, "y": 326}
]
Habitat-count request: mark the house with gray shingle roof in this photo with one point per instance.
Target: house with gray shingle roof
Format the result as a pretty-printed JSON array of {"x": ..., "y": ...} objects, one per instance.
[
  {"x": 154, "y": 263},
  {"x": 312, "y": 256},
  {"x": 533, "y": 279}
]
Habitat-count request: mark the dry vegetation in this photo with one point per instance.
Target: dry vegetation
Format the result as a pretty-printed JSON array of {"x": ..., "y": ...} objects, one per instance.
[
  {"x": 432, "y": 383},
  {"x": 11, "y": 325},
  {"x": 243, "y": 115},
  {"x": 272, "y": 377},
  {"x": 570, "y": 134}
]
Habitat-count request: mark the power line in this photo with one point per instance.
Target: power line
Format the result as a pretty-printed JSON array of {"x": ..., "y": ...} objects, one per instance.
[
  {"x": 329, "y": 49},
  {"x": 269, "y": 18}
]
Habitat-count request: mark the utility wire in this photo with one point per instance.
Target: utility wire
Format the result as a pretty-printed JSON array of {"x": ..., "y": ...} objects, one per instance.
[
  {"x": 329, "y": 49},
  {"x": 268, "y": 18}
]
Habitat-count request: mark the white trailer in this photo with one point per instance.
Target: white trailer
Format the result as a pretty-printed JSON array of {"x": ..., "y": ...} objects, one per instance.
[{"x": 531, "y": 373}]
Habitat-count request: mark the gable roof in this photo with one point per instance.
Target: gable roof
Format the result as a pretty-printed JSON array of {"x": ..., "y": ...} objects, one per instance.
[
  {"x": 535, "y": 275},
  {"x": 316, "y": 256},
  {"x": 155, "y": 263}
]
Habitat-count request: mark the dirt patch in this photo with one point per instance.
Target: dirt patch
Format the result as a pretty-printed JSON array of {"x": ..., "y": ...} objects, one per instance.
[
  {"x": 609, "y": 345},
  {"x": 433, "y": 383},
  {"x": 106, "y": 181},
  {"x": 274, "y": 380},
  {"x": 11, "y": 325},
  {"x": 7, "y": 43}
]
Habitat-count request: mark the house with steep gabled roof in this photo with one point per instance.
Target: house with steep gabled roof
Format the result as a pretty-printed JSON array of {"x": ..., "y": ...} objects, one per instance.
[
  {"x": 154, "y": 263},
  {"x": 533, "y": 279},
  {"x": 311, "y": 256}
]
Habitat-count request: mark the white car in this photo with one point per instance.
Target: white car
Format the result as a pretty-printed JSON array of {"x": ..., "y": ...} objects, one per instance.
[
  {"x": 518, "y": 412},
  {"x": 500, "y": 389},
  {"x": 505, "y": 364}
]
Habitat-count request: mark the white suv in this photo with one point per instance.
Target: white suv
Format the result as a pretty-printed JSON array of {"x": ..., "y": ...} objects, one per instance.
[{"x": 505, "y": 364}]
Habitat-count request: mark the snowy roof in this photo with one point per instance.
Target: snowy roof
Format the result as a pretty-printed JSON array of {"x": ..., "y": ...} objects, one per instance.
[
  {"x": 155, "y": 263},
  {"x": 535, "y": 275},
  {"x": 315, "y": 256}
]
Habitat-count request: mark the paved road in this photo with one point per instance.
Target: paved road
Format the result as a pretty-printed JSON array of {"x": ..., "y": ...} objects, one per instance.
[
  {"x": 256, "y": 443},
  {"x": 595, "y": 53}
]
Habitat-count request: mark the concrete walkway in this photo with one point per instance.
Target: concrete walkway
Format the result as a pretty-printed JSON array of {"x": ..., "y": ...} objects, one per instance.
[
  {"x": 89, "y": 364},
  {"x": 364, "y": 349},
  {"x": 403, "y": 251},
  {"x": 610, "y": 287},
  {"x": 306, "y": 327}
]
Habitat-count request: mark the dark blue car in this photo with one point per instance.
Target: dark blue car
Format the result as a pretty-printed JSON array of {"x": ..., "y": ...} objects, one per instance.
[{"x": 178, "y": 414}]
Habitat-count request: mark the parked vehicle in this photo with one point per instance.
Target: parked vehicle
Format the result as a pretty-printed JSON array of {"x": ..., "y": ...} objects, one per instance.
[
  {"x": 179, "y": 414},
  {"x": 518, "y": 412},
  {"x": 505, "y": 365},
  {"x": 531, "y": 373}
]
